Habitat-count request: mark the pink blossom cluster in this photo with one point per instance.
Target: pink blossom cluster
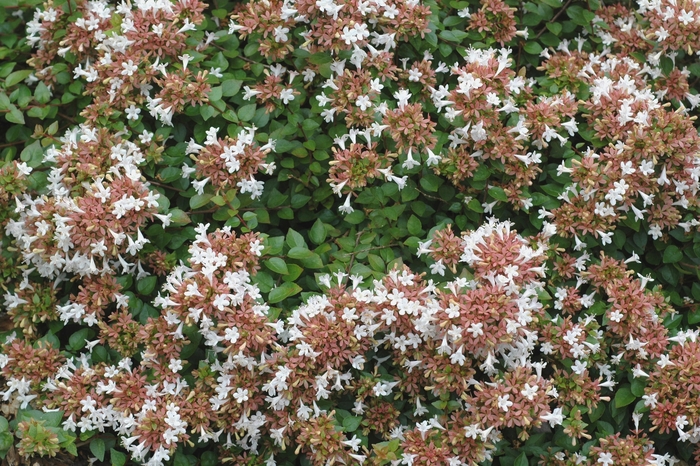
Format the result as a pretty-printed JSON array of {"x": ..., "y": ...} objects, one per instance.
[
  {"x": 651, "y": 173},
  {"x": 472, "y": 340},
  {"x": 229, "y": 163},
  {"x": 126, "y": 55},
  {"x": 469, "y": 338},
  {"x": 506, "y": 333},
  {"x": 90, "y": 222}
]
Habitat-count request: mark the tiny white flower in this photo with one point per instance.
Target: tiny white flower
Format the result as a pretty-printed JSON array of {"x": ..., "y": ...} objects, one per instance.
[
  {"x": 504, "y": 402},
  {"x": 346, "y": 208},
  {"x": 132, "y": 112},
  {"x": 241, "y": 395},
  {"x": 529, "y": 392}
]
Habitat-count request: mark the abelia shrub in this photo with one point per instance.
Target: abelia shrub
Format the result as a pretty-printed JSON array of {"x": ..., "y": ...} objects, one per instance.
[{"x": 349, "y": 232}]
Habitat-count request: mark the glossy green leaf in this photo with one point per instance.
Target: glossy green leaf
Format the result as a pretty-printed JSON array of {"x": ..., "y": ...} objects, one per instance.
[
  {"x": 246, "y": 112},
  {"x": 77, "y": 339},
  {"x": 283, "y": 292},
  {"x": 146, "y": 285},
  {"x": 277, "y": 265},
  {"x": 498, "y": 194},
  {"x": 521, "y": 460},
  {"x": 117, "y": 458},
  {"x": 178, "y": 217},
  {"x": 16, "y": 77},
  {"x": 299, "y": 253},
  {"x": 351, "y": 423},
  {"x": 97, "y": 447},
  {"x": 14, "y": 115},
  {"x": 414, "y": 225},
  {"x": 6, "y": 441},
  {"x": 295, "y": 240},
  {"x": 200, "y": 200},
  {"x": 209, "y": 458},
  {"x": 42, "y": 93},
  {"x": 672, "y": 254},
  {"x": 317, "y": 233},
  {"x": 624, "y": 396}
]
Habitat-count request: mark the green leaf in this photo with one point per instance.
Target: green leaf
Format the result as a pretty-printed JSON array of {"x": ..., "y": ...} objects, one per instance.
[
  {"x": 498, "y": 194},
  {"x": 246, "y": 112},
  {"x": 250, "y": 219},
  {"x": 52, "y": 418},
  {"x": 578, "y": 15},
  {"x": 482, "y": 173},
  {"x": 355, "y": 217},
  {"x": 4, "y": 425},
  {"x": 32, "y": 154},
  {"x": 695, "y": 290},
  {"x": 376, "y": 263},
  {"x": 15, "y": 115},
  {"x": 299, "y": 253},
  {"x": 452, "y": 21},
  {"x": 170, "y": 174},
  {"x": 145, "y": 286},
  {"x": 550, "y": 39},
  {"x": 16, "y": 77},
  {"x": 215, "y": 93},
  {"x": 77, "y": 340},
  {"x": 314, "y": 261},
  {"x": 283, "y": 292},
  {"x": 317, "y": 233},
  {"x": 295, "y": 240},
  {"x": 207, "y": 111},
  {"x": 638, "y": 385},
  {"x": 51, "y": 339},
  {"x": 97, "y": 447},
  {"x": 117, "y": 458},
  {"x": 693, "y": 315},
  {"x": 670, "y": 274},
  {"x": 274, "y": 245},
  {"x": 230, "y": 87},
  {"x": 521, "y": 460},
  {"x": 200, "y": 200},
  {"x": 179, "y": 217},
  {"x": 42, "y": 94},
  {"x": 70, "y": 447},
  {"x": 277, "y": 265},
  {"x": 320, "y": 58},
  {"x": 554, "y": 28},
  {"x": 309, "y": 125},
  {"x": 605, "y": 428},
  {"x": 453, "y": 36},
  {"x": 209, "y": 458},
  {"x": 414, "y": 225},
  {"x": 624, "y": 396},
  {"x": 181, "y": 460},
  {"x": 672, "y": 254},
  {"x": 430, "y": 182},
  {"x": 5, "y": 101},
  {"x": 351, "y": 423},
  {"x": 283, "y": 146},
  {"x": 6, "y": 441},
  {"x": 533, "y": 48}
]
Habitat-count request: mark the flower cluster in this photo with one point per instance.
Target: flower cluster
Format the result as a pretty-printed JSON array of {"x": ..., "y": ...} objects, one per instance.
[
  {"x": 93, "y": 215},
  {"x": 478, "y": 98},
  {"x": 229, "y": 163},
  {"x": 496, "y": 336},
  {"x": 124, "y": 54},
  {"x": 650, "y": 174}
]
